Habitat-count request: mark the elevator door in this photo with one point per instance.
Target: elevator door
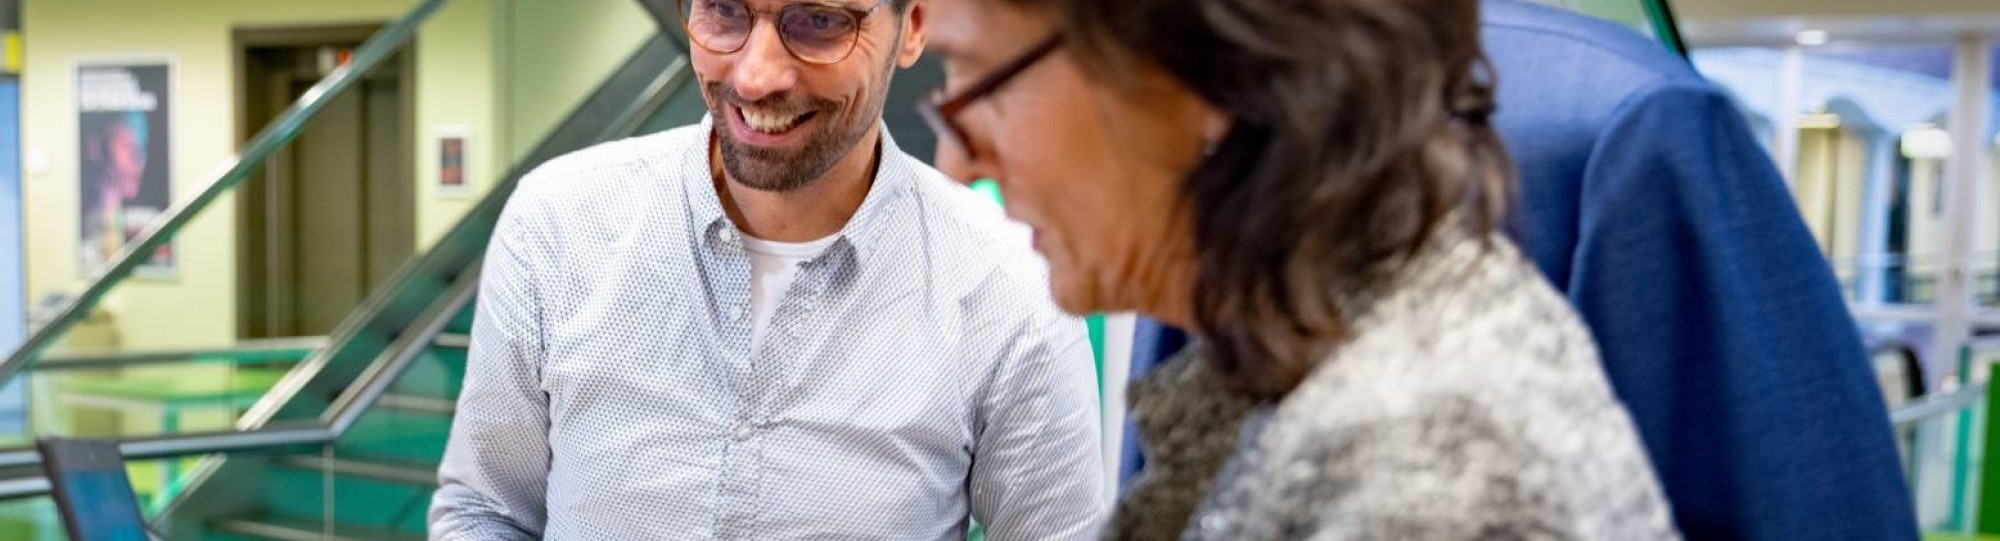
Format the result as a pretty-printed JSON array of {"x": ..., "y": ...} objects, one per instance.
[{"x": 332, "y": 215}]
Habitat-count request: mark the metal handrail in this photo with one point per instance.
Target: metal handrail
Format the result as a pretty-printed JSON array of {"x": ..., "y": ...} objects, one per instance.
[
  {"x": 1889, "y": 258},
  {"x": 194, "y": 444},
  {"x": 374, "y": 382},
  {"x": 264, "y": 349},
  {"x": 1983, "y": 343},
  {"x": 1932, "y": 406},
  {"x": 1914, "y": 313},
  {"x": 33, "y": 483},
  {"x": 232, "y": 172},
  {"x": 1665, "y": 28}
]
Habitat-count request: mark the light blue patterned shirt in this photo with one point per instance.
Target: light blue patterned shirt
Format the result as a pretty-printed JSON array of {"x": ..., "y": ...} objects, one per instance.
[{"x": 915, "y": 374}]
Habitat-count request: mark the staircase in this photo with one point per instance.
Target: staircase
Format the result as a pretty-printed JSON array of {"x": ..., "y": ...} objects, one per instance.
[{"x": 375, "y": 482}]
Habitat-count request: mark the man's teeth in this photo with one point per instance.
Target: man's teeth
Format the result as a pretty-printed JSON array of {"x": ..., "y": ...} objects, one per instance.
[{"x": 770, "y": 122}]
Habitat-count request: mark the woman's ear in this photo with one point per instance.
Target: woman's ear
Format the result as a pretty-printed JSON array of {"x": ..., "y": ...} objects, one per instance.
[{"x": 1214, "y": 127}]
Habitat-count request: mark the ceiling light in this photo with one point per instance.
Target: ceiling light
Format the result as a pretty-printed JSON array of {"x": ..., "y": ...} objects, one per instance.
[
  {"x": 1819, "y": 121},
  {"x": 1926, "y": 142}
]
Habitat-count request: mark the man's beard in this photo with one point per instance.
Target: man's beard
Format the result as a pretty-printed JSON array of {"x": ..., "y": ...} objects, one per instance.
[{"x": 777, "y": 170}]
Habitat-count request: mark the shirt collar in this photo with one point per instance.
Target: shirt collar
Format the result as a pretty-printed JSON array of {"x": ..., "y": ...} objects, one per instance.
[{"x": 866, "y": 231}]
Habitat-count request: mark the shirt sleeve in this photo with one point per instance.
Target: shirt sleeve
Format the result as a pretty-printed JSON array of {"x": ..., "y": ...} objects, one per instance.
[
  {"x": 1725, "y": 332},
  {"x": 1037, "y": 472},
  {"x": 493, "y": 478}
]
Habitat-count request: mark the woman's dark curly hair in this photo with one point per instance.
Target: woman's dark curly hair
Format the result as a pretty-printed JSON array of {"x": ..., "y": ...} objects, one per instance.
[{"x": 1360, "y": 132}]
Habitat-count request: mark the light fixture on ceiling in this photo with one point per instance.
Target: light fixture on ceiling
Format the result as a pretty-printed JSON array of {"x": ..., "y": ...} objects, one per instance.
[
  {"x": 1811, "y": 38},
  {"x": 1926, "y": 142},
  {"x": 1819, "y": 121}
]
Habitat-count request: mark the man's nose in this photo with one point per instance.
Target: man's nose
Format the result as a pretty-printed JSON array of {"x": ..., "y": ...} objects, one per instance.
[{"x": 765, "y": 68}]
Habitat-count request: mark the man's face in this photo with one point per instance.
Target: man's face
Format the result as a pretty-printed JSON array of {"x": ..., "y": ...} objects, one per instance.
[{"x": 782, "y": 122}]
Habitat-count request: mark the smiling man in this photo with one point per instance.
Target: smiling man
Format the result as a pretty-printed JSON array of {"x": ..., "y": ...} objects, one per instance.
[{"x": 771, "y": 325}]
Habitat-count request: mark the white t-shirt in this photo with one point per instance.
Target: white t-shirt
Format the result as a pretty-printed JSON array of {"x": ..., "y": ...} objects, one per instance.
[{"x": 773, "y": 265}]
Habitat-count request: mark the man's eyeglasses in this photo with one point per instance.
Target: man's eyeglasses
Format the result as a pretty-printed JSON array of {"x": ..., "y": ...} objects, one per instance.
[
  {"x": 814, "y": 33},
  {"x": 941, "y": 111}
]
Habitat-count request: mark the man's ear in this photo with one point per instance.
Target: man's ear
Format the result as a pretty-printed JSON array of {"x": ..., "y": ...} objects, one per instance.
[{"x": 912, "y": 46}]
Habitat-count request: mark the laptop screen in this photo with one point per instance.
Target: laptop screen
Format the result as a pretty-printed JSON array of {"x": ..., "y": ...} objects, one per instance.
[{"x": 92, "y": 491}]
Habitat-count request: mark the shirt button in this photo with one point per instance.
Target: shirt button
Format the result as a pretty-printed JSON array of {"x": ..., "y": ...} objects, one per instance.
[
  {"x": 743, "y": 433},
  {"x": 739, "y": 314}
]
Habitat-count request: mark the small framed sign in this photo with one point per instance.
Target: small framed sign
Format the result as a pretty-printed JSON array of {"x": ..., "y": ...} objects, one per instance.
[{"x": 454, "y": 164}]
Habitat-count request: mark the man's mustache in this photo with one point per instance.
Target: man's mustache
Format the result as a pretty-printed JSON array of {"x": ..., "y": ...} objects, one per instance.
[{"x": 786, "y": 101}]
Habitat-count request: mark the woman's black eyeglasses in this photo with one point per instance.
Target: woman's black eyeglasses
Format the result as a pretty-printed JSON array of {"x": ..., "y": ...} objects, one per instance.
[
  {"x": 814, "y": 33},
  {"x": 941, "y": 112}
]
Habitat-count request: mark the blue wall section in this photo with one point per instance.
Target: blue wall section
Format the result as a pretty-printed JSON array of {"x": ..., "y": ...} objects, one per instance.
[{"x": 13, "y": 311}]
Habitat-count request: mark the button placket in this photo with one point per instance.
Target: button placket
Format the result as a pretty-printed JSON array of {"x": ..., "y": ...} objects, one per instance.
[
  {"x": 730, "y": 291},
  {"x": 740, "y": 486},
  {"x": 799, "y": 322}
]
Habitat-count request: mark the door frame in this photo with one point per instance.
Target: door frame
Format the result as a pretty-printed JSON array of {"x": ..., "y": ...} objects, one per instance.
[{"x": 249, "y": 37}]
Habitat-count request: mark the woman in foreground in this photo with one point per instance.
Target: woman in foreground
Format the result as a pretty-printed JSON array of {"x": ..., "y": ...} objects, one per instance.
[{"x": 1314, "y": 188}]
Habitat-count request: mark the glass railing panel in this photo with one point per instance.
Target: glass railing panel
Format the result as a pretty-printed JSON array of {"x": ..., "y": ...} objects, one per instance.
[
  {"x": 330, "y": 492},
  {"x": 375, "y": 481},
  {"x": 30, "y": 519},
  {"x": 173, "y": 330},
  {"x": 1943, "y": 457},
  {"x": 159, "y": 353},
  {"x": 146, "y": 264},
  {"x": 154, "y": 483},
  {"x": 125, "y": 395},
  {"x": 163, "y": 472},
  {"x": 1943, "y": 438},
  {"x": 315, "y": 492}
]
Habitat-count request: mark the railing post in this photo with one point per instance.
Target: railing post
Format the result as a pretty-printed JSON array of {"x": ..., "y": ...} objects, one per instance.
[{"x": 1961, "y": 192}]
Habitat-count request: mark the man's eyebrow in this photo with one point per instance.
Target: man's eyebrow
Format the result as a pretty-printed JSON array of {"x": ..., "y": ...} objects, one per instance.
[
  {"x": 850, "y": 6},
  {"x": 777, "y": 5}
]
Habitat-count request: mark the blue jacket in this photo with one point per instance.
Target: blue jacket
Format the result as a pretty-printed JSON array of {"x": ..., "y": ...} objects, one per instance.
[{"x": 1647, "y": 200}]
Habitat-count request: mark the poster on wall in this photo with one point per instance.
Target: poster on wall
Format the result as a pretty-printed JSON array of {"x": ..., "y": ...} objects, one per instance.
[
  {"x": 453, "y": 180},
  {"x": 123, "y": 159}
]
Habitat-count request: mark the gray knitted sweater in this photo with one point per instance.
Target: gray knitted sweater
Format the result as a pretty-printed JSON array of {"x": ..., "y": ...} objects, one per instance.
[{"x": 1467, "y": 404}]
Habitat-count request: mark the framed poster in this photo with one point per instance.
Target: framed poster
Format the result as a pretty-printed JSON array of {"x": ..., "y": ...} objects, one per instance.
[
  {"x": 454, "y": 174},
  {"x": 124, "y": 158}
]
